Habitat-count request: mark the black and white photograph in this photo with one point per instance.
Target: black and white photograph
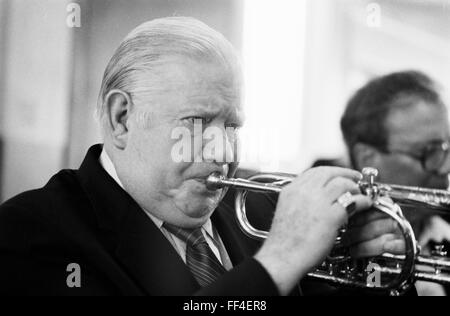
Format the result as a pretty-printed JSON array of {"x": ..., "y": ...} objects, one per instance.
[{"x": 225, "y": 152}]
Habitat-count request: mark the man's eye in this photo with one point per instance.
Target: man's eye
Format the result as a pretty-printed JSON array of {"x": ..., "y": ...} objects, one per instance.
[
  {"x": 196, "y": 120},
  {"x": 233, "y": 126}
]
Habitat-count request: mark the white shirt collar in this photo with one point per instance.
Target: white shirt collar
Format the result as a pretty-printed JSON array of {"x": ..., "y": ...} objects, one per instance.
[{"x": 108, "y": 165}]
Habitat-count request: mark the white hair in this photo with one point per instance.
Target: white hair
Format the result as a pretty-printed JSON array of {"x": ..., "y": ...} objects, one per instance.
[{"x": 148, "y": 47}]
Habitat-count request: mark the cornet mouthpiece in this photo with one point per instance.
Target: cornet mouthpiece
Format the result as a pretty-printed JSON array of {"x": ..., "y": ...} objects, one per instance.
[{"x": 214, "y": 181}]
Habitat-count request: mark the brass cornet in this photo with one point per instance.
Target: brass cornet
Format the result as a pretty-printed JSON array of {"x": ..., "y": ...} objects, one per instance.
[{"x": 398, "y": 273}]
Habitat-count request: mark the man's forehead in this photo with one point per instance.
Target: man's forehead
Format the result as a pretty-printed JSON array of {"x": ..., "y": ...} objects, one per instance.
[
  {"x": 200, "y": 86},
  {"x": 211, "y": 107},
  {"x": 182, "y": 71},
  {"x": 417, "y": 121}
]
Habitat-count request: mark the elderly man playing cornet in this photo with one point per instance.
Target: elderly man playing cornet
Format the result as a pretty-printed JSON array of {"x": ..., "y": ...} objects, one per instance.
[{"x": 134, "y": 221}]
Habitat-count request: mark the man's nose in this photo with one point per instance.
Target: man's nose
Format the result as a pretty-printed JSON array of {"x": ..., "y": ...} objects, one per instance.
[
  {"x": 445, "y": 168},
  {"x": 217, "y": 146}
]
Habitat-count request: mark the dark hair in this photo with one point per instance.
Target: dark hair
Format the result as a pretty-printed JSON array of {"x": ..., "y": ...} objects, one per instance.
[{"x": 366, "y": 112}]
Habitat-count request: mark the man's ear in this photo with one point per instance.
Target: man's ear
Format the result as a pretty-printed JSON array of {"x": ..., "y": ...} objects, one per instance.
[
  {"x": 366, "y": 156},
  {"x": 118, "y": 108}
]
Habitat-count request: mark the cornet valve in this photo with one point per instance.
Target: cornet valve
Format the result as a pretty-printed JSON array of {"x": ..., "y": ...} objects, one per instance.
[
  {"x": 368, "y": 185},
  {"x": 370, "y": 174},
  {"x": 439, "y": 251}
]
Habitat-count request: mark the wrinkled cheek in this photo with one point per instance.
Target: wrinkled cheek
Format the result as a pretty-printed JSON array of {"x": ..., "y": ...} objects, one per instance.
[
  {"x": 197, "y": 205},
  {"x": 197, "y": 208}
]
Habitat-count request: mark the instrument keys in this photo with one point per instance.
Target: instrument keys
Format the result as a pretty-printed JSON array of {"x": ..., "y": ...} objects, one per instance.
[
  {"x": 370, "y": 175},
  {"x": 439, "y": 251}
]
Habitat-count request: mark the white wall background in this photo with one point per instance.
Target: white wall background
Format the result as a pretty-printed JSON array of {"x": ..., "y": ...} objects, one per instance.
[{"x": 35, "y": 98}]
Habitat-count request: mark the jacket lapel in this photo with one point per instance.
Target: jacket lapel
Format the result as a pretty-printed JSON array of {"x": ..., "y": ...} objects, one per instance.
[{"x": 151, "y": 259}]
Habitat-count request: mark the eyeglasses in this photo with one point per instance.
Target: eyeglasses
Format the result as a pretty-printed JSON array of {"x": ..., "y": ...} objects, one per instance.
[{"x": 432, "y": 155}]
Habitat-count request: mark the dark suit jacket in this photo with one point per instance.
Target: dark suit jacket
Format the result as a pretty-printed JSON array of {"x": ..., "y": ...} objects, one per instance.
[{"x": 83, "y": 217}]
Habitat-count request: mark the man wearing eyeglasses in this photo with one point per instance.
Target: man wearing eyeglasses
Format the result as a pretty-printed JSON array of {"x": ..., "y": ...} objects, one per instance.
[{"x": 398, "y": 124}]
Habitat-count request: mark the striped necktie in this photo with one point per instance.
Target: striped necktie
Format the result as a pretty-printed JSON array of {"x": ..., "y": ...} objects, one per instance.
[{"x": 200, "y": 259}]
